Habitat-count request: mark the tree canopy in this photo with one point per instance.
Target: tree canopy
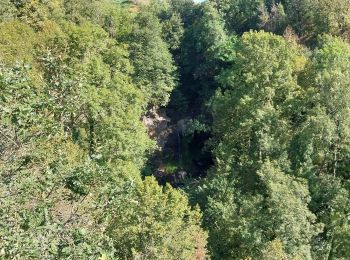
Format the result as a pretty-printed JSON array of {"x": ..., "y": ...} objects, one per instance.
[{"x": 172, "y": 129}]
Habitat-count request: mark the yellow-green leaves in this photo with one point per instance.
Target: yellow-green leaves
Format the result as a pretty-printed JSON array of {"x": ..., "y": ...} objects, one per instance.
[{"x": 155, "y": 223}]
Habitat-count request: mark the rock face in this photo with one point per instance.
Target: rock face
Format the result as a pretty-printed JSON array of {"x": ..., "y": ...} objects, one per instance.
[
  {"x": 168, "y": 136},
  {"x": 158, "y": 125}
]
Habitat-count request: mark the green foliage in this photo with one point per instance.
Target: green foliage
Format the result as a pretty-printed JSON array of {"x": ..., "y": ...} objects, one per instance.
[
  {"x": 76, "y": 77},
  {"x": 291, "y": 221},
  {"x": 325, "y": 132},
  {"x": 155, "y": 223},
  {"x": 274, "y": 18},
  {"x": 200, "y": 59},
  {"x": 154, "y": 66},
  {"x": 311, "y": 18},
  {"x": 330, "y": 200},
  {"x": 239, "y": 15},
  {"x": 254, "y": 123},
  {"x": 208, "y": 35},
  {"x": 252, "y": 115},
  {"x": 23, "y": 37},
  {"x": 243, "y": 225},
  {"x": 72, "y": 143},
  {"x": 7, "y": 11},
  {"x": 321, "y": 143},
  {"x": 274, "y": 251}
]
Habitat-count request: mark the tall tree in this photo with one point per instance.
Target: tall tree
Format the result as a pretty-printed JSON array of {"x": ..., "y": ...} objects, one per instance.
[
  {"x": 239, "y": 15},
  {"x": 253, "y": 130},
  {"x": 154, "y": 66},
  {"x": 252, "y": 117},
  {"x": 322, "y": 143}
]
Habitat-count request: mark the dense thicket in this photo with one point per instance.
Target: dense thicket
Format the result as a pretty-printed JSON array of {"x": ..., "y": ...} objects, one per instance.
[
  {"x": 258, "y": 93},
  {"x": 75, "y": 79}
]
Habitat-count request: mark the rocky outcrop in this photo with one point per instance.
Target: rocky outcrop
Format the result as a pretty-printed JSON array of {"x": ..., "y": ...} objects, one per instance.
[
  {"x": 158, "y": 125},
  {"x": 168, "y": 136}
]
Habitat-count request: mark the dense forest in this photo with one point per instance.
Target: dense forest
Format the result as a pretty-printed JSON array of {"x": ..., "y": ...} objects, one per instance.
[{"x": 172, "y": 129}]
